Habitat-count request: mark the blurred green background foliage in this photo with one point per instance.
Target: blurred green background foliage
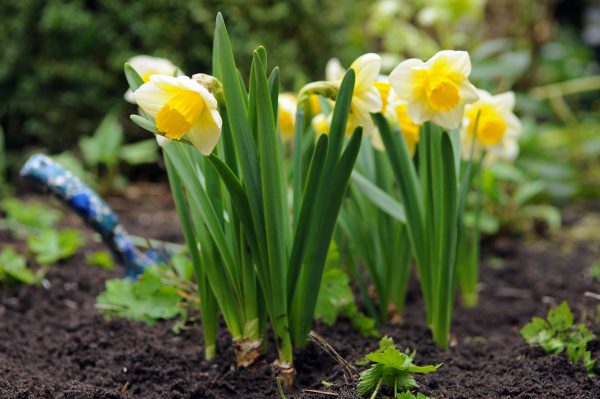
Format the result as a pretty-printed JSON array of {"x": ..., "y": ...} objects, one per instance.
[
  {"x": 61, "y": 68},
  {"x": 61, "y": 63}
]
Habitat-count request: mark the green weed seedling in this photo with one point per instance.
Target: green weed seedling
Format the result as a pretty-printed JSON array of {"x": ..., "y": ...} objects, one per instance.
[
  {"x": 22, "y": 218},
  {"x": 393, "y": 371},
  {"x": 102, "y": 259},
  {"x": 13, "y": 268},
  {"x": 148, "y": 299},
  {"x": 558, "y": 333},
  {"x": 50, "y": 246}
]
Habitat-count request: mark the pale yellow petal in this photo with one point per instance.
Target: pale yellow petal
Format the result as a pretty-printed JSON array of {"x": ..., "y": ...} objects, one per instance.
[
  {"x": 205, "y": 134},
  {"x": 402, "y": 79},
  {"x": 151, "y": 98},
  {"x": 367, "y": 68},
  {"x": 459, "y": 61},
  {"x": 451, "y": 119},
  {"x": 334, "y": 72}
]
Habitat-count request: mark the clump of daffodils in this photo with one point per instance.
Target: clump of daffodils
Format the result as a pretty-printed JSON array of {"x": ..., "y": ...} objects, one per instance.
[
  {"x": 491, "y": 126},
  {"x": 182, "y": 106},
  {"x": 436, "y": 90}
]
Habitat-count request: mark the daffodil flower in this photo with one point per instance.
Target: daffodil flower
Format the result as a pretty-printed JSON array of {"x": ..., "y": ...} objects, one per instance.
[
  {"x": 181, "y": 107},
  {"x": 321, "y": 124},
  {"x": 287, "y": 116},
  {"x": 436, "y": 90},
  {"x": 146, "y": 66},
  {"x": 365, "y": 98},
  {"x": 497, "y": 129}
]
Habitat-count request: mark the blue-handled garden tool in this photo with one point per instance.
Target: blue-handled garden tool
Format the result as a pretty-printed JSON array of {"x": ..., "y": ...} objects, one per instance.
[{"x": 49, "y": 176}]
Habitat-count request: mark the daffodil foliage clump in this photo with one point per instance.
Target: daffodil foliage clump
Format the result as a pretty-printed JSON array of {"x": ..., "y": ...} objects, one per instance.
[
  {"x": 259, "y": 178},
  {"x": 391, "y": 370},
  {"x": 258, "y": 252}
]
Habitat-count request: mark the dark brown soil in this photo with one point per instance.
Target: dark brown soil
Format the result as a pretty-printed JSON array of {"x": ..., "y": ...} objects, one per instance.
[{"x": 54, "y": 344}]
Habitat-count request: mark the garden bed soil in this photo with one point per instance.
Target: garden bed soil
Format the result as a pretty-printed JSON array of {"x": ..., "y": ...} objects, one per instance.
[{"x": 55, "y": 344}]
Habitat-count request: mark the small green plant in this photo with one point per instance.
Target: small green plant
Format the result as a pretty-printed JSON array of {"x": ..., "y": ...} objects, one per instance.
[
  {"x": 13, "y": 268},
  {"x": 148, "y": 299},
  {"x": 393, "y": 370},
  {"x": 558, "y": 333},
  {"x": 23, "y": 218},
  {"x": 102, "y": 259},
  {"x": 336, "y": 298},
  {"x": 103, "y": 154},
  {"x": 50, "y": 246}
]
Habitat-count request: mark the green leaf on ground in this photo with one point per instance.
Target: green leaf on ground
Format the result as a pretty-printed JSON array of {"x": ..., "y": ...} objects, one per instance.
[
  {"x": 558, "y": 333},
  {"x": 147, "y": 299},
  {"x": 102, "y": 259},
  {"x": 50, "y": 246},
  {"x": 30, "y": 215},
  {"x": 392, "y": 370},
  {"x": 13, "y": 268}
]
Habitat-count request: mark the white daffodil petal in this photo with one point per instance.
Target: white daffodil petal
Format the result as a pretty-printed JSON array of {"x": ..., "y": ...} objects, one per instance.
[
  {"x": 505, "y": 101},
  {"x": 458, "y": 60},
  {"x": 450, "y": 119},
  {"x": 468, "y": 92},
  {"x": 334, "y": 72},
  {"x": 401, "y": 78},
  {"x": 371, "y": 100},
  {"x": 151, "y": 97},
  {"x": 419, "y": 112},
  {"x": 205, "y": 134},
  {"x": 367, "y": 68},
  {"x": 162, "y": 140}
]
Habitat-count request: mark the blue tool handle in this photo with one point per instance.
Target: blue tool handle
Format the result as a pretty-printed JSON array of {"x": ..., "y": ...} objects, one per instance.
[{"x": 49, "y": 176}]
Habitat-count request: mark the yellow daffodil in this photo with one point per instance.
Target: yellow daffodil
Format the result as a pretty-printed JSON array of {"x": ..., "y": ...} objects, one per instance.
[
  {"x": 146, "y": 66},
  {"x": 365, "y": 98},
  {"x": 321, "y": 124},
  {"x": 181, "y": 107},
  {"x": 436, "y": 90},
  {"x": 287, "y": 115},
  {"x": 497, "y": 129}
]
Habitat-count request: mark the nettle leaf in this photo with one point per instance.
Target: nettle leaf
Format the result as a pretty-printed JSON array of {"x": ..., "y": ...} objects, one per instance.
[
  {"x": 560, "y": 318},
  {"x": 30, "y": 215},
  {"x": 102, "y": 259},
  {"x": 558, "y": 333},
  {"x": 391, "y": 368},
  {"x": 147, "y": 299},
  {"x": 335, "y": 293},
  {"x": 531, "y": 332},
  {"x": 50, "y": 246},
  {"x": 13, "y": 268}
]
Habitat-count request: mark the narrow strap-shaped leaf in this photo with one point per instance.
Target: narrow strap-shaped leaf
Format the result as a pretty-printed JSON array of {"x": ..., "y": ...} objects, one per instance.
[
  {"x": 303, "y": 303},
  {"x": 274, "y": 89},
  {"x": 272, "y": 181},
  {"x": 297, "y": 163},
  {"x": 380, "y": 198},
  {"x": 238, "y": 197},
  {"x": 305, "y": 213}
]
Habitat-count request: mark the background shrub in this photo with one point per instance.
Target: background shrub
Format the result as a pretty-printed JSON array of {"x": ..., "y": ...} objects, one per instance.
[{"x": 61, "y": 64}]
